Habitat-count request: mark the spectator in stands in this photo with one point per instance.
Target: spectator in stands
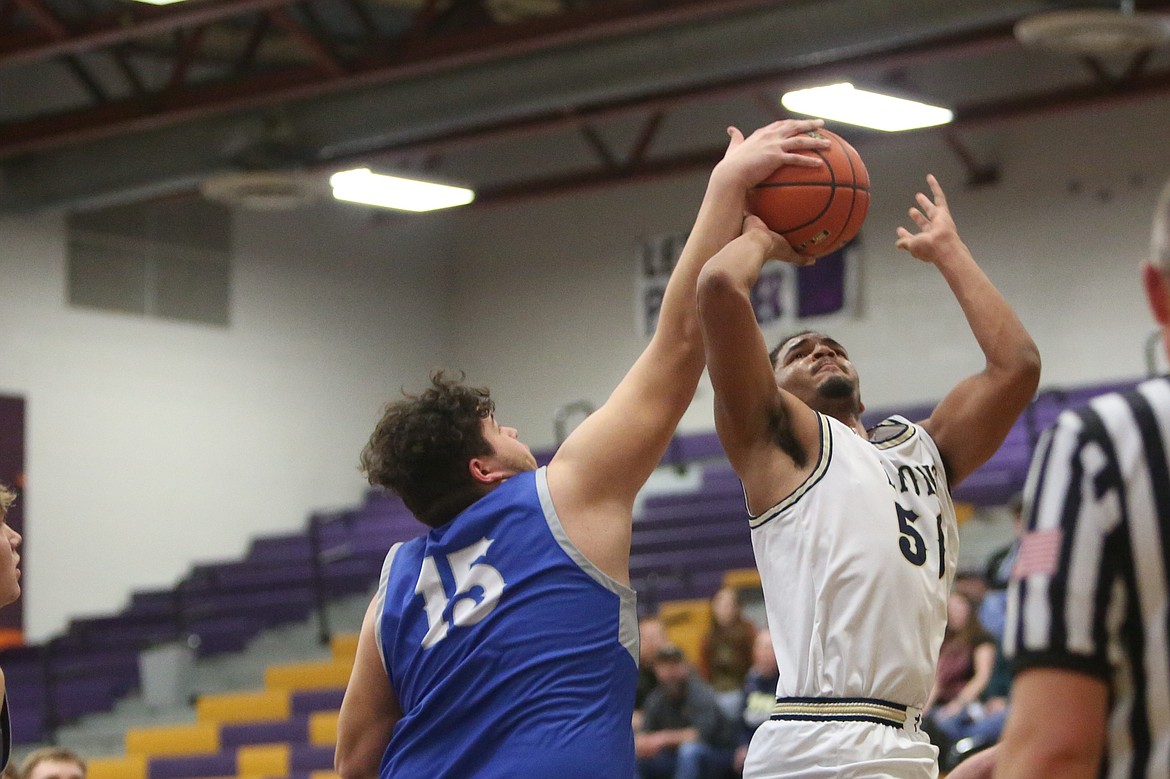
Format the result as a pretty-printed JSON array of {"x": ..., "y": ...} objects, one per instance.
[
  {"x": 726, "y": 653},
  {"x": 992, "y": 608},
  {"x": 651, "y": 638},
  {"x": 759, "y": 694},
  {"x": 684, "y": 732},
  {"x": 9, "y": 592},
  {"x": 965, "y": 663},
  {"x": 52, "y": 763}
]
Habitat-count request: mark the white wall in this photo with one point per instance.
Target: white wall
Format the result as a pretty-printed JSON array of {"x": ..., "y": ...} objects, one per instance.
[
  {"x": 152, "y": 444},
  {"x": 155, "y": 444}
]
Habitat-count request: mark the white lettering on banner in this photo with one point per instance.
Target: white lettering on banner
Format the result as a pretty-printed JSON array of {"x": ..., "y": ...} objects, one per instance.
[{"x": 775, "y": 297}]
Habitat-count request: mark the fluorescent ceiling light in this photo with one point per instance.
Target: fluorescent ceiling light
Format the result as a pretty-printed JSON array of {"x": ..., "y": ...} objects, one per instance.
[
  {"x": 160, "y": 2},
  {"x": 843, "y": 103},
  {"x": 373, "y": 189}
]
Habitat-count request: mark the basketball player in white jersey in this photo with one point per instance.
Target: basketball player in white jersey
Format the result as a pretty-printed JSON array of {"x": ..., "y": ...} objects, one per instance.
[{"x": 853, "y": 529}]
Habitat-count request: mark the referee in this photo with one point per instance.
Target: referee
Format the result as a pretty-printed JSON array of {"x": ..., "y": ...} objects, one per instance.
[{"x": 1087, "y": 622}]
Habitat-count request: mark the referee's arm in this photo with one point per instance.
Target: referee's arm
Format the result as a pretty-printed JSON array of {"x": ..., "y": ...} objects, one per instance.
[
  {"x": 1056, "y": 727},
  {"x": 1057, "y": 631}
]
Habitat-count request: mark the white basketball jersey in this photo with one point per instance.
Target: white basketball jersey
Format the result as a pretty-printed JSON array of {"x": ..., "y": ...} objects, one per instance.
[{"x": 857, "y": 565}]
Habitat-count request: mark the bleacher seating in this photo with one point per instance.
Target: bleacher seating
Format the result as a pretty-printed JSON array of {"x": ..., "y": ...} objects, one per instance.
[
  {"x": 683, "y": 544},
  {"x": 287, "y": 729},
  {"x": 217, "y": 607}
]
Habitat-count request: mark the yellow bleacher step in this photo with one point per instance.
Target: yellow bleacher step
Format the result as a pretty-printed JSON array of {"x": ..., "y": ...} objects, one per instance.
[
  {"x": 686, "y": 623},
  {"x": 199, "y": 739},
  {"x": 250, "y": 706},
  {"x": 323, "y": 728},
  {"x": 264, "y": 759},
  {"x": 128, "y": 767},
  {"x": 308, "y": 676},
  {"x": 344, "y": 646},
  {"x": 742, "y": 579}
]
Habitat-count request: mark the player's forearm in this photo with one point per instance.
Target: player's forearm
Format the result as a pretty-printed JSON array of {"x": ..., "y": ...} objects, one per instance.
[
  {"x": 1007, "y": 347},
  {"x": 718, "y": 222},
  {"x": 354, "y": 760},
  {"x": 736, "y": 268},
  {"x": 1042, "y": 761}
]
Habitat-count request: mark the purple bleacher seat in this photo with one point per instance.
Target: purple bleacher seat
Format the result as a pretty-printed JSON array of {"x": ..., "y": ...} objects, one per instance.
[
  {"x": 657, "y": 589},
  {"x": 307, "y": 757},
  {"x": 158, "y": 603},
  {"x": 683, "y": 498},
  {"x": 379, "y": 497},
  {"x": 309, "y": 701},
  {"x": 709, "y": 535},
  {"x": 273, "y": 606},
  {"x": 225, "y": 634},
  {"x": 695, "y": 511},
  {"x": 696, "y": 446},
  {"x": 189, "y": 766},
  {"x": 683, "y": 561},
  {"x": 120, "y": 630},
  {"x": 259, "y": 575},
  {"x": 286, "y": 548},
  {"x": 293, "y": 730},
  {"x": 29, "y": 724},
  {"x": 77, "y": 696}
]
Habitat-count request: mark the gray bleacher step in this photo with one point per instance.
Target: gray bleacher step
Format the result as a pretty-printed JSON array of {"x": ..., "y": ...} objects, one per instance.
[{"x": 104, "y": 733}]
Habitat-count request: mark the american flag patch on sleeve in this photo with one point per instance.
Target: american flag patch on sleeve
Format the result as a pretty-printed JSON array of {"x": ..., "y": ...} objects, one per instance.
[{"x": 1039, "y": 553}]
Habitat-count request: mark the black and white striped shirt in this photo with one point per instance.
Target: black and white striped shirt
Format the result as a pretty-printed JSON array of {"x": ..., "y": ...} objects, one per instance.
[{"x": 1089, "y": 591}]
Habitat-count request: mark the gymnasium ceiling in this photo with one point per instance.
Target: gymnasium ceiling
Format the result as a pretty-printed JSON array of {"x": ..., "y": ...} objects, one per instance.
[{"x": 107, "y": 101}]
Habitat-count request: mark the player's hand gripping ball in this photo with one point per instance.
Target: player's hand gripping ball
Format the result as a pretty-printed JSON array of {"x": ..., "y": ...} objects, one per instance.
[{"x": 817, "y": 209}]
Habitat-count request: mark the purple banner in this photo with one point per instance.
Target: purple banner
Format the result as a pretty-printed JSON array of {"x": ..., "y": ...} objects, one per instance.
[
  {"x": 12, "y": 474},
  {"x": 783, "y": 292}
]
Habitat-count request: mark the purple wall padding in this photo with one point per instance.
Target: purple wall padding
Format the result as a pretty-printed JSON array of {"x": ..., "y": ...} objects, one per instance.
[{"x": 12, "y": 473}]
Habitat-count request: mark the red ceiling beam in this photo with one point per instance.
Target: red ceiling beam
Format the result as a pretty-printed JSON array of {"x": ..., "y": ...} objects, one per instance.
[
  {"x": 411, "y": 58},
  {"x": 122, "y": 27},
  {"x": 593, "y": 179},
  {"x": 973, "y": 115},
  {"x": 985, "y": 43},
  {"x": 307, "y": 42},
  {"x": 44, "y": 18}
]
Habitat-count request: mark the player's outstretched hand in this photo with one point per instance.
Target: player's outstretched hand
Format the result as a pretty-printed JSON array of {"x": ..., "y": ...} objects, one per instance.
[
  {"x": 773, "y": 245},
  {"x": 937, "y": 235},
  {"x": 749, "y": 160}
]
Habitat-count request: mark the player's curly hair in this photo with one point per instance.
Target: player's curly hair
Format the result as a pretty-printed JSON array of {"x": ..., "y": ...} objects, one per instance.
[
  {"x": 7, "y": 496},
  {"x": 421, "y": 447}
]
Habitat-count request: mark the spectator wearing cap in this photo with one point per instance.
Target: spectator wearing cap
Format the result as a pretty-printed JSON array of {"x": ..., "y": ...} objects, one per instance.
[{"x": 684, "y": 733}]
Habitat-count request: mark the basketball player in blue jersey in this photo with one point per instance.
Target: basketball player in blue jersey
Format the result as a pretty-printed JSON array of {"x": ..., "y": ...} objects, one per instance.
[
  {"x": 503, "y": 643},
  {"x": 854, "y": 532}
]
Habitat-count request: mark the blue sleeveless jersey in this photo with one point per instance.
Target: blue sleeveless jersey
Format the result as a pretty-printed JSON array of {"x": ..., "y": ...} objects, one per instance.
[{"x": 511, "y": 654}]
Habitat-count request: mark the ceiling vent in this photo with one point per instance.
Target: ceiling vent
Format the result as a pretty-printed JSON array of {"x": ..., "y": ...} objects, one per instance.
[
  {"x": 1095, "y": 31},
  {"x": 266, "y": 190}
]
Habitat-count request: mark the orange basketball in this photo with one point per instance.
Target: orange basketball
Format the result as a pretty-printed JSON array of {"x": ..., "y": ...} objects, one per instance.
[{"x": 817, "y": 210}]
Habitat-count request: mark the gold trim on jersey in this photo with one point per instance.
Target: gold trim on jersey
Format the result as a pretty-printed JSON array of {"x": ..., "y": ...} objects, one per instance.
[
  {"x": 908, "y": 431},
  {"x": 841, "y": 708},
  {"x": 826, "y": 454},
  {"x": 848, "y": 710}
]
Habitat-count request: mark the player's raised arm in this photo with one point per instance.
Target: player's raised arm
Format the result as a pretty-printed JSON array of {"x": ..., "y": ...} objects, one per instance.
[
  {"x": 762, "y": 428},
  {"x": 610, "y": 455},
  {"x": 971, "y": 422}
]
